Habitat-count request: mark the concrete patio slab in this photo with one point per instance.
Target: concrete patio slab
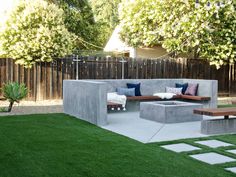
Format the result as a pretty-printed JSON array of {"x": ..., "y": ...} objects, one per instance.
[
  {"x": 213, "y": 143},
  {"x": 177, "y": 131},
  {"x": 131, "y": 125},
  {"x": 212, "y": 158},
  {"x": 232, "y": 169},
  {"x": 233, "y": 151},
  {"x": 180, "y": 147}
]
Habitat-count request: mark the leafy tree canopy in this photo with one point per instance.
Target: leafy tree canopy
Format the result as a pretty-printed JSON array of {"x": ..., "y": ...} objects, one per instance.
[
  {"x": 206, "y": 31},
  {"x": 106, "y": 17},
  {"x": 35, "y": 32},
  {"x": 79, "y": 19}
]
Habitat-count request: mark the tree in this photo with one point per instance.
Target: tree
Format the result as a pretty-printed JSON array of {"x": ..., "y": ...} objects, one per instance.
[
  {"x": 35, "y": 32},
  {"x": 106, "y": 17},
  {"x": 79, "y": 19},
  {"x": 207, "y": 31}
]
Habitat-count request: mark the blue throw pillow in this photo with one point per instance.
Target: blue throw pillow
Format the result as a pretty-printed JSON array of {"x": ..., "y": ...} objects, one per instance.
[
  {"x": 183, "y": 86},
  {"x": 137, "y": 88},
  {"x": 126, "y": 91}
]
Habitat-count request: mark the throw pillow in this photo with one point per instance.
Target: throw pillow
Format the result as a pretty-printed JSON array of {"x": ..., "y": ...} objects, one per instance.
[
  {"x": 126, "y": 91},
  {"x": 183, "y": 86},
  {"x": 191, "y": 89},
  {"x": 164, "y": 95},
  {"x": 137, "y": 88},
  {"x": 177, "y": 91}
]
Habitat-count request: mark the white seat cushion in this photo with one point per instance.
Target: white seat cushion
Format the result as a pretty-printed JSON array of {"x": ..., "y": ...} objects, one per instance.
[{"x": 164, "y": 95}]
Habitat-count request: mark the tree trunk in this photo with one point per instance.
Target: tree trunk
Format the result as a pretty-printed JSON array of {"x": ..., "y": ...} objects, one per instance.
[{"x": 10, "y": 106}]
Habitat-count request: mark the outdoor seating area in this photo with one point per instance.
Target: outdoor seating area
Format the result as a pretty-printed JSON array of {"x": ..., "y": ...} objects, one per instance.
[
  {"x": 124, "y": 88},
  {"x": 93, "y": 96},
  {"x": 149, "y": 107}
]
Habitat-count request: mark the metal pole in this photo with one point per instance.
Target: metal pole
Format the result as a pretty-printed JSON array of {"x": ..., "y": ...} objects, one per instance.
[
  {"x": 77, "y": 66},
  {"x": 123, "y": 68}
]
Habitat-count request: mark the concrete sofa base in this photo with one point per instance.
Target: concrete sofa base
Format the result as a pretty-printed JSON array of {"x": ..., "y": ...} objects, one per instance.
[
  {"x": 87, "y": 99},
  {"x": 218, "y": 126}
]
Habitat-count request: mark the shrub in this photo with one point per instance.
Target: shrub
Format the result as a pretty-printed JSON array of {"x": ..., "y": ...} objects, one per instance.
[
  {"x": 35, "y": 32},
  {"x": 14, "y": 92}
]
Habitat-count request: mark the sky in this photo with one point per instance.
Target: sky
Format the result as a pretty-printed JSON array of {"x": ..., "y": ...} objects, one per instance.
[{"x": 6, "y": 6}]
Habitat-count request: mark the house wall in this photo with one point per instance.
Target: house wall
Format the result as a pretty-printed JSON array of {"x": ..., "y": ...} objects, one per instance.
[{"x": 153, "y": 52}]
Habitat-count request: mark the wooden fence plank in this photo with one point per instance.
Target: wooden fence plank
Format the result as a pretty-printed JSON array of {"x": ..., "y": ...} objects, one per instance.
[{"x": 45, "y": 80}]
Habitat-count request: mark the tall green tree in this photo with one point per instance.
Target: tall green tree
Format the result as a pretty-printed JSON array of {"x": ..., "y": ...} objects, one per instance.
[
  {"x": 79, "y": 19},
  {"x": 204, "y": 31},
  {"x": 106, "y": 17},
  {"x": 34, "y": 32}
]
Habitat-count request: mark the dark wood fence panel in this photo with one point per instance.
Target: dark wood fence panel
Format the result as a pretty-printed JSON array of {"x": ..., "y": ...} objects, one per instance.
[{"x": 45, "y": 80}]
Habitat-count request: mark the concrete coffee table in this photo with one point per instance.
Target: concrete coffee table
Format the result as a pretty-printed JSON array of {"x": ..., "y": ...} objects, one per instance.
[{"x": 169, "y": 111}]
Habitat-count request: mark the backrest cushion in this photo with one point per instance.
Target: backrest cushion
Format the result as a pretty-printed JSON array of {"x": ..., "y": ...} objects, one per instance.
[
  {"x": 126, "y": 91},
  {"x": 177, "y": 91},
  {"x": 183, "y": 86},
  {"x": 136, "y": 87},
  {"x": 191, "y": 89}
]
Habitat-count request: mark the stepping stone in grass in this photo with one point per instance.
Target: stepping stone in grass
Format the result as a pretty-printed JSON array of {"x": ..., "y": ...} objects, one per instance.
[
  {"x": 232, "y": 169},
  {"x": 212, "y": 158},
  {"x": 233, "y": 151},
  {"x": 180, "y": 147},
  {"x": 213, "y": 143}
]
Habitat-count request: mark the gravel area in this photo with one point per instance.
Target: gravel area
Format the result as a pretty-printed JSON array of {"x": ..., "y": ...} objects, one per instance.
[
  {"x": 55, "y": 106},
  {"x": 32, "y": 107}
]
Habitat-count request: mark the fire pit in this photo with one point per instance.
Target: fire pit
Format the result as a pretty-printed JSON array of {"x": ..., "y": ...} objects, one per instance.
[{"x": 169, "y": 111}]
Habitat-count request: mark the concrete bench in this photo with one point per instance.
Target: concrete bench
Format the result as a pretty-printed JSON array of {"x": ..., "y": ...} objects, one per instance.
[
  {"x": 87, "y": 99},
  {"x": 226, "y": 112},
  {"x": 154, "y": 98},
  {"x": 217, "y": 126},
  {"x": 114, "y": 106}
]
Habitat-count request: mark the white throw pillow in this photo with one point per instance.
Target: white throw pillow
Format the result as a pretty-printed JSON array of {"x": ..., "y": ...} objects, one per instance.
[
  {"x": 177, "y": 91},
  {"x": 164, "y": 95}
]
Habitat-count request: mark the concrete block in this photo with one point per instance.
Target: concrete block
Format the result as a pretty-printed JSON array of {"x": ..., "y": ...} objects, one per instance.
[
  {"x": 86, "y": 100},
  {"x": 180, "y": 147},
  {"x": 212, "y": 158},
  {"x": 169, "y": 111},
  {"x": 213, "y": 143},
  {"x": 218, "y": 126}
]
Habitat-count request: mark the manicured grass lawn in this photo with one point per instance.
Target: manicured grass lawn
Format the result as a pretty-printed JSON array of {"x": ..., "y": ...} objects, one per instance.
[
  {"x": 226, "y": 105},
  {"x": 57, "y": 145},
  {"x": 204, "y": 149}
]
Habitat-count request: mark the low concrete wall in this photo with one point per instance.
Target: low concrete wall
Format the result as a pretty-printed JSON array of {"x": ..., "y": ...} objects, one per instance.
[
  {"x": 218, "y": 126},
  {"x": 86, "y": 99}
]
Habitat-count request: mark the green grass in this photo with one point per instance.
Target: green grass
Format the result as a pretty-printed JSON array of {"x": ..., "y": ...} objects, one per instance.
[
  {"x": 226, "y": 105},
  {"x": 205, "y": 149},
  {"x": 57, "y": 145}
]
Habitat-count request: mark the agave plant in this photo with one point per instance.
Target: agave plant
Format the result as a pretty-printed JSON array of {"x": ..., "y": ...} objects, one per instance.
[{"x": 14, "y": 92}]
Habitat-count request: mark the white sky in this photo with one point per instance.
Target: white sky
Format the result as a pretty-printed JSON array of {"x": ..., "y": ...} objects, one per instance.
[{"x": 6, "y": 6}]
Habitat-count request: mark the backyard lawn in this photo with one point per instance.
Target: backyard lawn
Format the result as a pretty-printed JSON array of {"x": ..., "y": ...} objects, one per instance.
[{"x": 58, "y": 145}]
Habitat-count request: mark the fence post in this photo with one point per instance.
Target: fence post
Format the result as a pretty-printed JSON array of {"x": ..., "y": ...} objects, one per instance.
[
  {"x": 77, "y": 66},
  {"x": 122, "y": 67}
]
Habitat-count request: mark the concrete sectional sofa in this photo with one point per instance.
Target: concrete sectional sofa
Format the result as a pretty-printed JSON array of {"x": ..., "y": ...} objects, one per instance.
[{"x": 87, "y": 99}]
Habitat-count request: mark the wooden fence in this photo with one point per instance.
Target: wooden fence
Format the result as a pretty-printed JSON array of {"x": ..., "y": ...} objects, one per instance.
[{"x": 45, "y": 80}]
